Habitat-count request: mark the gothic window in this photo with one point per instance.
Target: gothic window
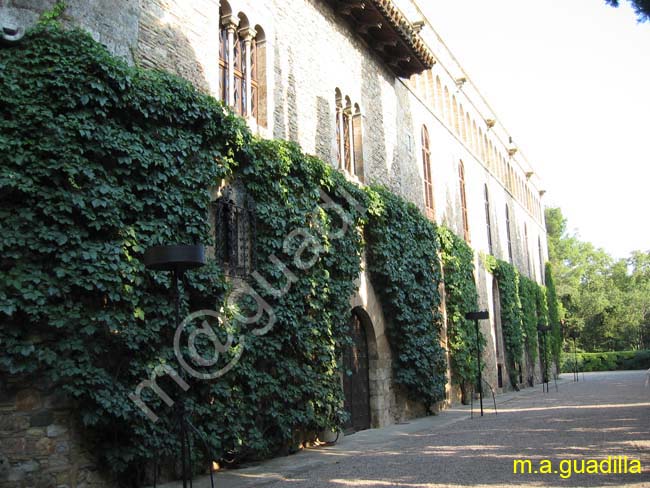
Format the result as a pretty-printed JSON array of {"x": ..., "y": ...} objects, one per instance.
[
  {"x": 508, "y": 234},
  {"x": 530, "y": 266},
  {"x": 428, "y": 179},
  {"x": 463, "y": 199},
  {"x": 541, "y": 260},
  {"x": 349, "y": 143},
  {"x": 235, "y": 234},
  {"x": 242, "y": 65},
  {"x": 488, "y": 222}
]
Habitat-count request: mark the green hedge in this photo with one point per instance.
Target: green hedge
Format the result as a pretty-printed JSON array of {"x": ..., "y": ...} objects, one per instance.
[{"x": 607, "y": 361}]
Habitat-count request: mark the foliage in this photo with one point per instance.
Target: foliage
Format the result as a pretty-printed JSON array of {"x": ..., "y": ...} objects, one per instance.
[
  {"x": 405, "y": 270},
  {"x": 528, "y": 291},
  {"x": 554, "y": 318},
  {"x": 602, "y": 299},
  {"x": 641, "y": 8},
  {"x": 50, "y": 18},
  {"x": 511, "y": 313},
  {"x": 107, "y": 160},
  {"x": 462, "y": 297},
  {"x": 607, "y": 361}
]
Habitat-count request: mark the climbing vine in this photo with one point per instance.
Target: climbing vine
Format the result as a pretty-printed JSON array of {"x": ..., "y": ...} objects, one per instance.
[
  {"x": 462, "y": 297},
  {"x": 511, "y": 315},
  {"x": 528, "y": 291},
  {"x": 106, "y": 160},
  {"x": 554, "y": 317},
  {"x": 405, "y": 270}
]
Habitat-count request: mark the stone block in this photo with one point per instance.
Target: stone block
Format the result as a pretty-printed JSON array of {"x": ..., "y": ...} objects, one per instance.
[
  {"x": 27, "y": 400},
  {"x": 56, "y": 430},
  {"x": 41, "y": 419},
  {"x": 13, "y": 423}
]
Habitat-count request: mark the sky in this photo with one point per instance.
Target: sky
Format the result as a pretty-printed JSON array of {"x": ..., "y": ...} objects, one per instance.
[{"x": 570, "y": 81}]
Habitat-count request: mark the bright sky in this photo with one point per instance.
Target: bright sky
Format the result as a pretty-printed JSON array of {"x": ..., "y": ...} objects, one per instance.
[{"x": 570, "y": 81}]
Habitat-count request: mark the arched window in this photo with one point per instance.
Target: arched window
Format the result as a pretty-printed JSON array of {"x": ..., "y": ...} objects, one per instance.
[
  {"x": 240, "y": 66},
  {"x": 456, "y": 125},
  {"x": 428, "y": 179},
  {"x": 447, "y": 107},
  {"x": 430, "y": 89},
  {"x": 348, "y": 136},
  {"x": 490, "y": 160},
  {"x": 463, "y": 199},
  {"x": 488, "y": 221},
  {"x": 541, "y": 260},
  {"x": 508, "y": 233},
  {"x": 475, "y": 138},
  {"x": 439, "y": 97},
  {"x": 527, "y": 253},
  {"x": 468, "y": 135}
]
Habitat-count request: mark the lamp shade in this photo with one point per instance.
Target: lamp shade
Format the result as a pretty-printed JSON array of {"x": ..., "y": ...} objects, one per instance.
[{"x": 175, "y": 257}]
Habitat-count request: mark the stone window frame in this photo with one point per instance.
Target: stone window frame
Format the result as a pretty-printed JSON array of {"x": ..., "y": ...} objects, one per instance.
[
  {"x": 349, "y": 136},
  {"x": 429, "y": 202},
  {"x": 242, "y": 66},
  {"x": 508, "y": 233},
  {"x": 488, "y": 220},
  {"x": 463, "y": 200}
]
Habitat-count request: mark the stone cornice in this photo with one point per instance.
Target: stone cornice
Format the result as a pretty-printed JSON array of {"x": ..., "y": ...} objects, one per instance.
[{"x": 388, "y": 32}]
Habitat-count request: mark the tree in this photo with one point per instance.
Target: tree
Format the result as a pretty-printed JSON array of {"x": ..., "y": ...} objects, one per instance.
[
  {"x": 641, "y": 8},
  {"x": 607, "y": 301}
]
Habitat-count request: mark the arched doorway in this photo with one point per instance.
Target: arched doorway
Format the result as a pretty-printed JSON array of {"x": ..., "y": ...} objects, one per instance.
[{"x": 356, "y": 378}]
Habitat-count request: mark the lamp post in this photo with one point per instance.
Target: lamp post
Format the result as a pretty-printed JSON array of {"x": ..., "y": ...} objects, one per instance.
[
  {"x": 574, "y": 335},
  {"x": 476, "y": 316},
  {"x": 178, "y": 259}
]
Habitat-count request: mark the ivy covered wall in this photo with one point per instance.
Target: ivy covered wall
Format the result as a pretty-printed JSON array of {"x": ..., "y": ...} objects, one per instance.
[
  {"x": 108, "y": 160},
  {"x": 462, "y": 297},
  {"x": 405, "y": 270}
]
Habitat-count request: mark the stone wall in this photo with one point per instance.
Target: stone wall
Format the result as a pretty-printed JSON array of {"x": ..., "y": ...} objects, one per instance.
[
  {"x": 310, "y": 53},
  {"x": 40, "y": 444},
  {"x": 114, "y": 23}
]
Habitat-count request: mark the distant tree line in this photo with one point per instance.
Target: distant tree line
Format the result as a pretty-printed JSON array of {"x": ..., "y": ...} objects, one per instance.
[{"x": 604, "y": 300}]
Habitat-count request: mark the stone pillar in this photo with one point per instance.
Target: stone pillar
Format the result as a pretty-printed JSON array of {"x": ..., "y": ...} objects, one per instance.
[
  {"x": 341, "y": 147},
  {"x": 230, "y": 22},
  {"x": 350, "y": 168},
  {"x": 248, "y": 34}
]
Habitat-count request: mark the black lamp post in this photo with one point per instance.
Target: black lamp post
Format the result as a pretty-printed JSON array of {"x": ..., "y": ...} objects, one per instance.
[
  {"x": 476, "y": 316},
  {"x": 574, "y": 335},
  {"x": 178, "y": 259}
]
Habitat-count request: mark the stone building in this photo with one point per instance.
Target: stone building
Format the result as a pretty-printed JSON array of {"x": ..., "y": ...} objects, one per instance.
[{"x": 369, "y": 87}]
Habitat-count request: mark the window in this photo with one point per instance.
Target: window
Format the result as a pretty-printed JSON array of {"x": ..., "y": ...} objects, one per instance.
[
  {"x": 428, "y": 180},
  {"x": 527, "y": 253},
  {"x": 463, "y": 199},
  {"x": 235, "y": 233},
  {"x": 242, "y": 65},
  {"x": 349, "y": 139},
  {"x": 508, "y": 234},
  {"x": 488, "y": 222},
  {"x": 541, "y": 260}
]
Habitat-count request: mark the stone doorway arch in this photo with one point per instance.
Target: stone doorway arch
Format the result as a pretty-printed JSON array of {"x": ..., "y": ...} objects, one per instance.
[{"x": 357, "y": 359}]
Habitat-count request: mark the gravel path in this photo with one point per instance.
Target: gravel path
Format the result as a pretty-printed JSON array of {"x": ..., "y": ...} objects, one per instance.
[{"x": 607, "y": 414}]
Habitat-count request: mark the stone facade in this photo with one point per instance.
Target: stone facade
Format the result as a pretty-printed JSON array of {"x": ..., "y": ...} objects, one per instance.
[
  {"x": 40, "y": 445},
  {"x": 309, "y": 53}
]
